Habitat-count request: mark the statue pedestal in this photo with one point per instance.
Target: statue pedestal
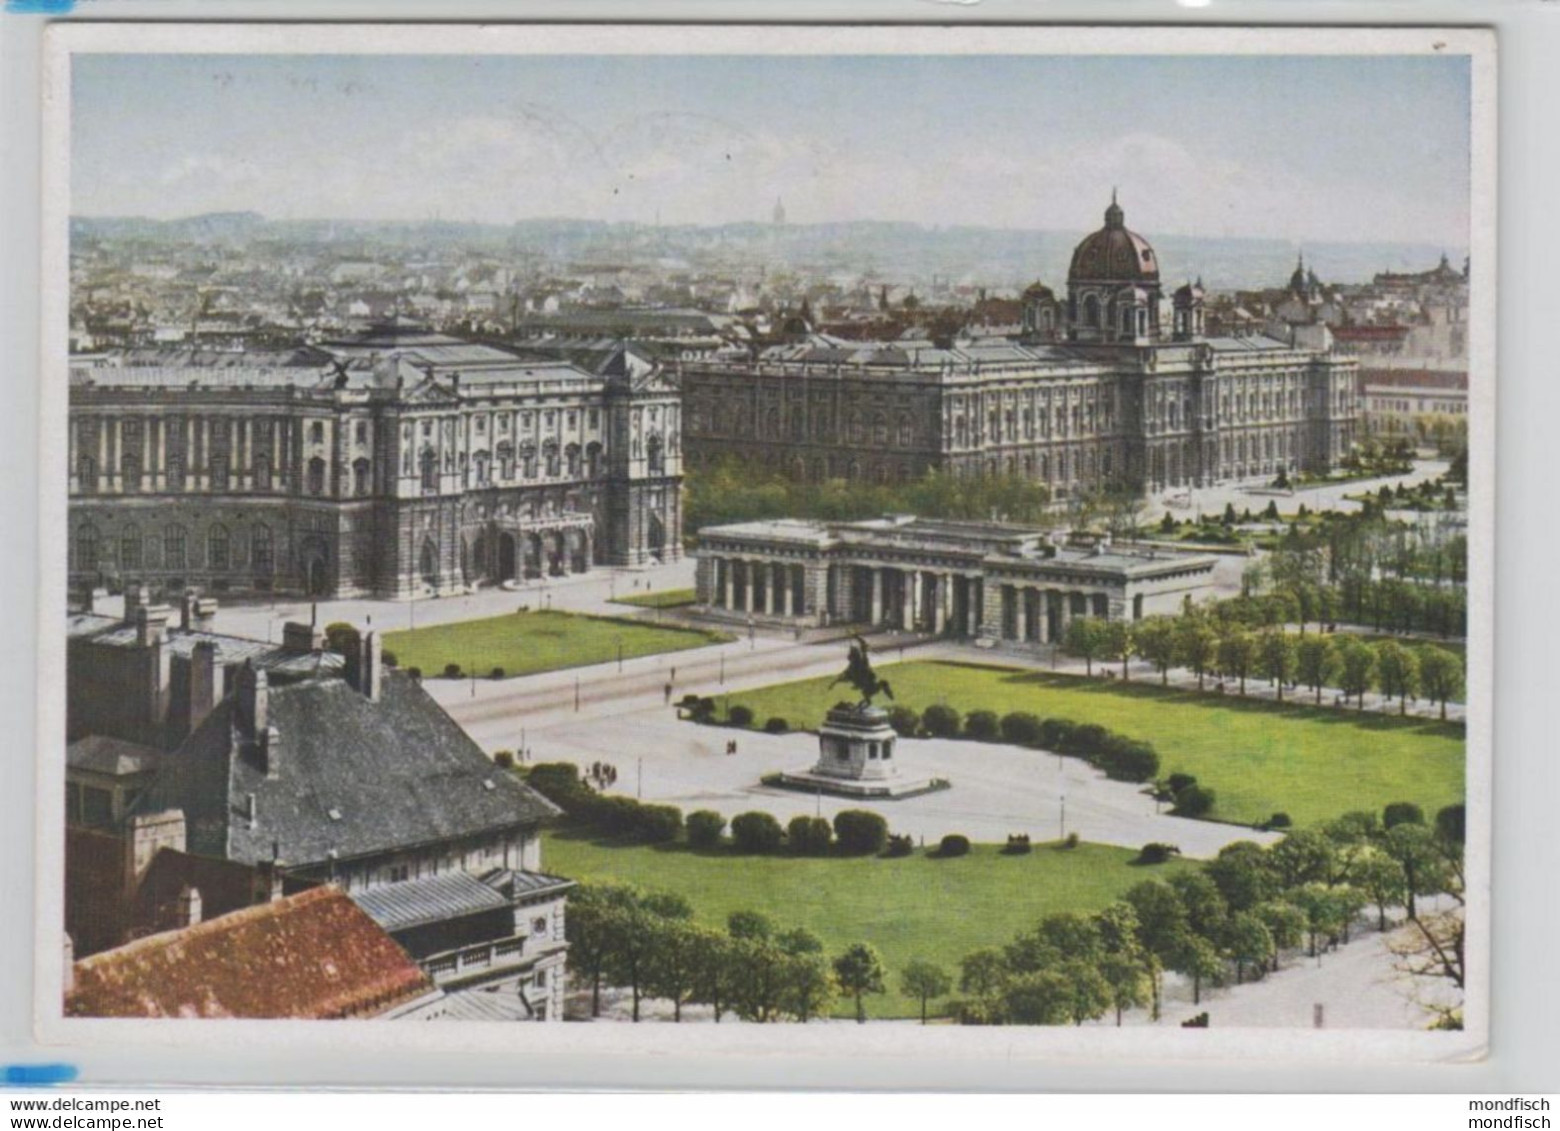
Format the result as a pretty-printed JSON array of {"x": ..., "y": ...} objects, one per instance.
[{"x": 857, "y": 757}]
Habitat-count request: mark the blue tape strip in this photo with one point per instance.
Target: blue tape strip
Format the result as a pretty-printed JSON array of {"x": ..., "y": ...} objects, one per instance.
[
  {"x": 34, "y": 1075},
  {"x": 38, "y": 7}
]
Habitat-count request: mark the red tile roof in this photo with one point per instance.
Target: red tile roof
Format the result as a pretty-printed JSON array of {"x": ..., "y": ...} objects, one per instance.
[{"x": 314, "y": 955}]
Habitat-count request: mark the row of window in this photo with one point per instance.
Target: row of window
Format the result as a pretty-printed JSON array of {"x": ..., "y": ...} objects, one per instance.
[{"x": 89, "y": 548}]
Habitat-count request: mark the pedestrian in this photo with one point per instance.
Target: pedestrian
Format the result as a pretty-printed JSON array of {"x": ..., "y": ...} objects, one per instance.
[{"x": 667, "y": 692}]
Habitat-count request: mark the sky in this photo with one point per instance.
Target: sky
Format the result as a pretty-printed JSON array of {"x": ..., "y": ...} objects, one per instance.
[{"x": 1298, "y": 148}]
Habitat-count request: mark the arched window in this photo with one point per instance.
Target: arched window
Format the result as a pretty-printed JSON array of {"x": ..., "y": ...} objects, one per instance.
[
  {"x": 261, "y": 553},
  {"x": 480, "y": 469},
  {"x": 429, "y": 465},
  {"x": 173, "y": 469},
  {"x": 858, "y": 432},
  {"x": 86, "y": 475},
  {"x": 798, "y": 424},
  {"x": 174, "y": 546},
  {"x": 528, "y": 460},
  {"x": 130, "y": 472},
  {"x": 130, "y": 548},
  {"x": 219, "y": 468},
  {"x": 906, "y": 431},
  {"x": 654, "y": 461},
  {"x": 593, "y": 459},
  {"x": 316, "y": 476},
  {"x": 262, "y": 472},
  {"x": 86, "y": 547},
  {"x": 317, "y": 433},
  {"x": 550, "y": 457},
  {"x": 880, "y": 429},
  {"x": 571, "y": 459},
  {"x": 362, "y": 478},
  {"x": 506, "y": 460},
  {"x": 1091, "y": 311},
  {"x": 218, "y": 549}
]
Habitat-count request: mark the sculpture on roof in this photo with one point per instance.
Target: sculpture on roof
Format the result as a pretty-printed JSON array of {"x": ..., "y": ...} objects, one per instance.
[{"x": 859, "y": 674}]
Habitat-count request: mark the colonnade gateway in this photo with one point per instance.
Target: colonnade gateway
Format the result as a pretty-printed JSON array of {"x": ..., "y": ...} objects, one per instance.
[
  {"x": 1112, "y": 385},
  {"x": 398, "y": 463},
  {"x": 982, "y": 580}
]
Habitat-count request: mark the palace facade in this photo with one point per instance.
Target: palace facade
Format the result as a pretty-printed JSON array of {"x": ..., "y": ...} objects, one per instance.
[
  {"x": 396, "y": 464},
  {"x": 1114, "y": 385}
]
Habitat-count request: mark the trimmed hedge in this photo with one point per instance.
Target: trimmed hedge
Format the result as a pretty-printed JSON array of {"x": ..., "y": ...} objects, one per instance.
[
  {"x": 704, "y": 828},
  {"x": 983, "y": 726},
  {"x": 1193, "y": 801},
  {"x": 756, "y": 832},
  {"x": 899, "y": 844},
  {"x": 941, "y": 721},
  {"x": 860, "y": 832},
  {"x": 954, "y": 844},
  {"x": 740, "y": 715},
  {"x": 904, "y": 720},
  {"x": 776, "y": 725},
  {"x": 1021, "y": 728},
  {"x": 808, "y": 836},
  {"x": 1156, "y": 853}
]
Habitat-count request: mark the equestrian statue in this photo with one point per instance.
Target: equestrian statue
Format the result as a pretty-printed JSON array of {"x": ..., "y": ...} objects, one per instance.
[{"x": 859, "y": 674}]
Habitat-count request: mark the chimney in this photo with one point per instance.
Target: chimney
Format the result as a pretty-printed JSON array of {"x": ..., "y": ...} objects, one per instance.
[
  {"x": 136, "y": 596},
  {"x": 364, "y": 668},
  {"x": 187, "y": 612},
  {"x": 254, "y": 695},
  {"x": 68, "y": 957},
  {"x": 189, "y": 906},
  {"x": 203, "y": 682},
  {"x": 270, "y": 888},
  {"x": 147, "y": 834},
  {"x": 251, "y": 810},
  {"x": 302, "y": 638},
  {"x": 151, "y": 624},
  {"x": 271, "y": 752},
  {"x": 86, "y": 599}
]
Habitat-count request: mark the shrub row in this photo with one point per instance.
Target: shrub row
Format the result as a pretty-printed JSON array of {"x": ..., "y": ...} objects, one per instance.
[
  {"x": 612, "y": 814},
  {"x": 1120, "y": 757}
]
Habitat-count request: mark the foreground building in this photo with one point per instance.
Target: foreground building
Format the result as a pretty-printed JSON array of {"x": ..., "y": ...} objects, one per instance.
[
  {"x": 1115, "y": 384},
  {"x": 978, "y": 580},
  {"x": 208, "y": 773},
  {"x": 396, "y": 464}
]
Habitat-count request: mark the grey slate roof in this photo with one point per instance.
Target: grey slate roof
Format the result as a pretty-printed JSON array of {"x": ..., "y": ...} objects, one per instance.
[
  {"x": 412, "y": 903},
  {"x": 273, "y": 658},
  {"x": 399, "y": 773},
  {"x": 523, "y": 885},
  {"x": 100, "y": 754}
]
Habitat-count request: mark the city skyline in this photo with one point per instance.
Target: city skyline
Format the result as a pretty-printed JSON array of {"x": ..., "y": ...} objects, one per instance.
[{"x": 1315, "y": 150}]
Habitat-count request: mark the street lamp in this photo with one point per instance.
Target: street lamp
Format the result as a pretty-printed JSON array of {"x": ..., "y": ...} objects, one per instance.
[
  {"x": 620, "y": 654},
  {"x": 751, "y": 642}
]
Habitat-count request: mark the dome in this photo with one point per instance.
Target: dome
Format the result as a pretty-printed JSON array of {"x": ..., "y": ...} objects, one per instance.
[
  {"x": 1039, "y": 292},
  {"x": 1113, "y": 254}
]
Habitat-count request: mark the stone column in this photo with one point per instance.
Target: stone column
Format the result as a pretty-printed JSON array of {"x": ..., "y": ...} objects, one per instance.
[
  {"x": 972, "y": 606},
  {"x": 907, "y": 600},
  {"x": 1021, "y": 599},
  {"x": 1066, "y": 599},
  {"x": 729, "y": 568},
  {"x": 940, "y": 601},
  {"x": 1042, "y": 612},
  {"x": 877, "y": 596},
  {"x": 787, "y": 572},
  {"x": 769, "y": 590},
  {"x": 916, "y": 602},
  {"x": 750, "y": 572}
]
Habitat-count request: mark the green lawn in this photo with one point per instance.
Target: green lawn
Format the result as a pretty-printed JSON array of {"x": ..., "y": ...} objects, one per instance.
[
  {"x": 910, "y": 907},
  {"x": 523, "y": 643},
  {"x": 1258, "y": 757},
  {"x": 665, "y": 599}
]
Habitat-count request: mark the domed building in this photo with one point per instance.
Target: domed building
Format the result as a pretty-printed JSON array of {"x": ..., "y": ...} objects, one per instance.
[{"x": 1116, "y": 385}]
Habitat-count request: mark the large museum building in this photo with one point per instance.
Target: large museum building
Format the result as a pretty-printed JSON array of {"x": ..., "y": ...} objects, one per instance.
[
  {"x": 398, "y": 463},
  {"x": 1115, "y": 385}
]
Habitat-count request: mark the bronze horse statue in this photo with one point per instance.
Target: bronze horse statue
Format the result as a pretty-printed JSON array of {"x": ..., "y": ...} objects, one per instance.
[{"x": 859, "y": 674}]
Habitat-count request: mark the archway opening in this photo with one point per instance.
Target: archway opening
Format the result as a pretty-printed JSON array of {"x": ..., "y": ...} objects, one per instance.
[{"x": 506, "y": 557}]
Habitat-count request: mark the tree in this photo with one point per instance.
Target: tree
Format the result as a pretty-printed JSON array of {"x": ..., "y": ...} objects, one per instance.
[
  {"x": 1356, "y": 669},
  {"x": 715, "y": 969},
  {"x": 924, "y": 980},
  {"x": 1196, "y": 644},
  {"x": 808, "y": 836},
  {"x": 1316, "y": 663},
  {"x": 1381, "y": 878},
  {"x": 638, "y": 928},
  {"x": 1161, "y": 918},
  {"x": 1285, "y": 922},
  {"x": 759, "y": 984},
  {"x": 1243, "y": 875},
  {"x": 1421, "y": 859},
  {"x": 752, "y": 925},
  {"x": 1247, "y": 942},
  {"x": 1304, "y": 856},
  {"x": 809, "y": 987},
  {"x": 859, "y": 971},
  {"x": 1205, "y": 908},
  {"x": 1276, "y": 658},
  {"x": 592, "y": 932},
  {"x": 673, "y": 968},
  {"x": 1128, "y": 969},
  {"x": 1155, "y": 641},
  {"x": 1398, "y": 670},
  {"x": 1325, "y": 912},
  {"x": 983, "y": 978},
  {"x": 1117, "y": 643},
  {"x": 1237, "y": 652},
  {"x": 1440, "y": 674},
  {"x": 1198, "y": 959},
  {"x": 1085, "y": 639}
]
